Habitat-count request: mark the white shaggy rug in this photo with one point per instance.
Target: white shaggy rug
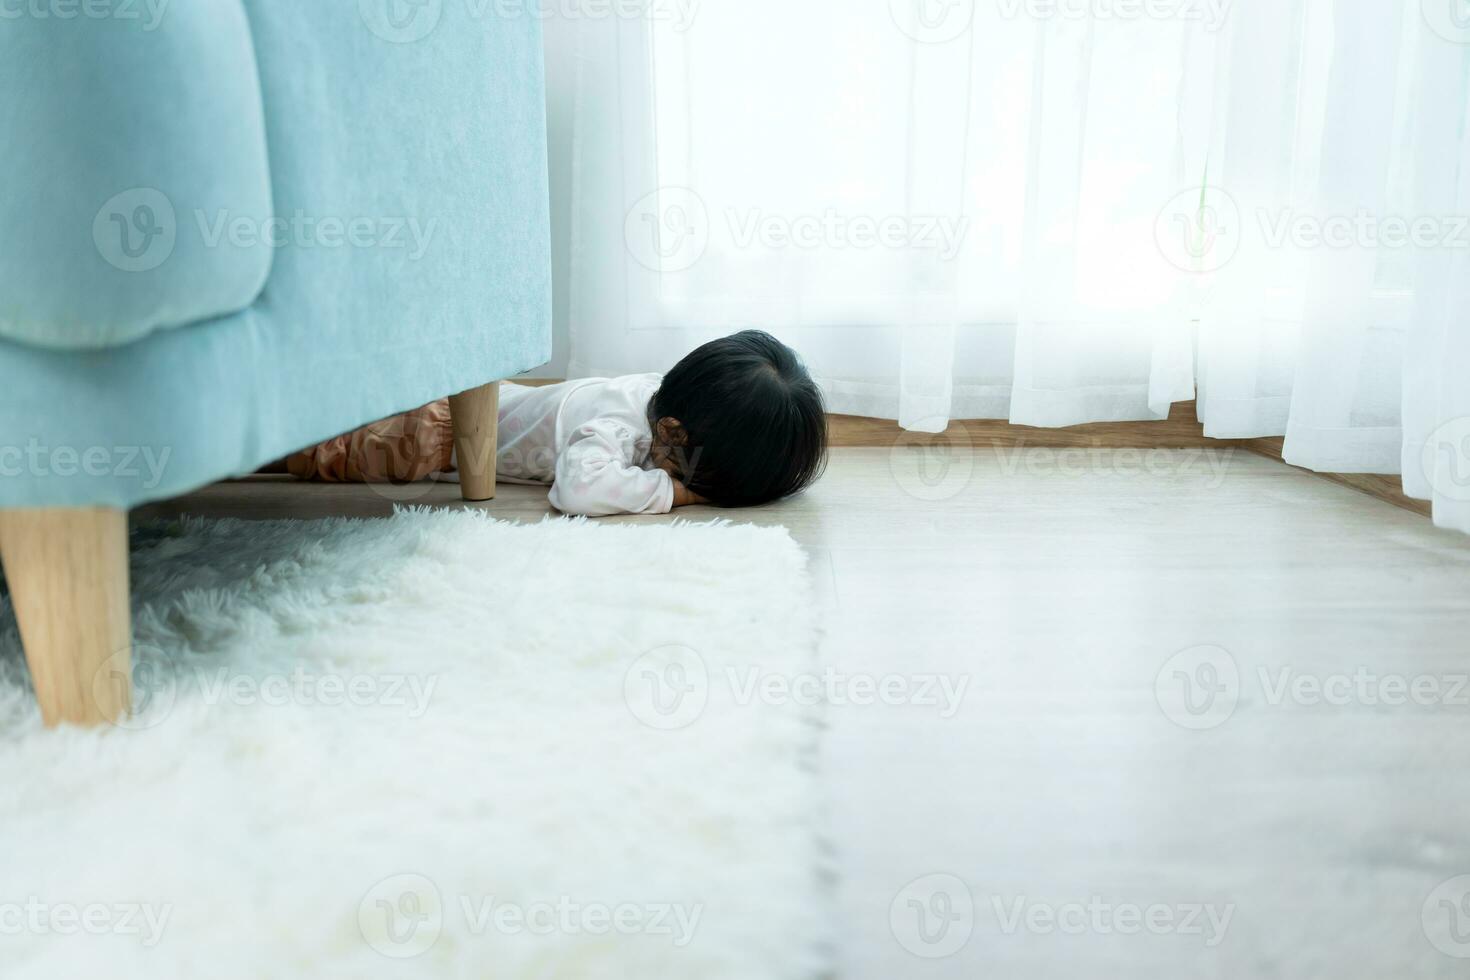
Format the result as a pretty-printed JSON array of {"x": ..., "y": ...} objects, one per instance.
[{"x": 433, "y": 746}]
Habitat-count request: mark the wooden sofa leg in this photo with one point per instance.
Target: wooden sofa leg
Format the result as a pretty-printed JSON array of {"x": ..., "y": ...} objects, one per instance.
[
  {"x": 476, "y": 421},
  {"x": 67, "y": 570}
]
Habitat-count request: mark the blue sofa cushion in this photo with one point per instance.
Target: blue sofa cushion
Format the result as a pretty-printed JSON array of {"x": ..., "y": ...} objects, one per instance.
[
  {"x": 422, "y": 136},
  {"x": 137, "y": 184}
]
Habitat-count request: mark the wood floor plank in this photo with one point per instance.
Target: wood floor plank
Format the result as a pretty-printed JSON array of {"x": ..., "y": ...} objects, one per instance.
[{"x": 1065, "y": 595}]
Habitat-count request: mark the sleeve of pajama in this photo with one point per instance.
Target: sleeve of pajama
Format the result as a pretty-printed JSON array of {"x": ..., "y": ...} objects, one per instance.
[{"x": 595, "y": 475}]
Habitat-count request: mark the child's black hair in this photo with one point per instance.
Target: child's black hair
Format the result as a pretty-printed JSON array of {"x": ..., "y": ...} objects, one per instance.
[{"x": 755, "y": 429}]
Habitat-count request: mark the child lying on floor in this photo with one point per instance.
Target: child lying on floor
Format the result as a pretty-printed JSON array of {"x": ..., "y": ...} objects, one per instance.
[{"x": 738, "y": 422}]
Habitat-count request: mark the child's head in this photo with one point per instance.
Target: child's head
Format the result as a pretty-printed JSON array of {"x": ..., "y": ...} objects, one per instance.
[{"x": 740, "y": 422}]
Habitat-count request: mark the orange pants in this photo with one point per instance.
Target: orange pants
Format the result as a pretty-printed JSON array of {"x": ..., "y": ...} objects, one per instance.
[{"x": 401, "y": 449}]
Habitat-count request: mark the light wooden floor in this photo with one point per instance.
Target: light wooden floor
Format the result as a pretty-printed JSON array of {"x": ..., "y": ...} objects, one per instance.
[{"x": 1060, "y": 593}]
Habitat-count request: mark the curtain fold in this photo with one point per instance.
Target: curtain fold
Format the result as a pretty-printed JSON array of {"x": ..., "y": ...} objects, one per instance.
[
  {"x": 1436, "y": 406},
  {"x": 1344, "y": 413},
  {"x": 1054, "y": 214},
  {"x": 1258, "y": 154}
]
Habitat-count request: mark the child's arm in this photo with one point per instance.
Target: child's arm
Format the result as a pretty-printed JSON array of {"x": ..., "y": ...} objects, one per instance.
[
  {"x": 684, "y": 497},
  {"x": 595, "y": 475}
]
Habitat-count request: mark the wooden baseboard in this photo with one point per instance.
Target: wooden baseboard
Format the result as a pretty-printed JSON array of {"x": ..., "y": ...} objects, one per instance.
[
  {"x": 1181, "y": 430},
  {"x": 1386, "y": 488}
]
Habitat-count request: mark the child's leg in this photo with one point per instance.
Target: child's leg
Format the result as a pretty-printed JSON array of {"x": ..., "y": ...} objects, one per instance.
[{"x": 400, "y": 449}]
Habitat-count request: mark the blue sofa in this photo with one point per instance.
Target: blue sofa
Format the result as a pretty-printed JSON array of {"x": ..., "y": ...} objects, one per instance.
[{"x": 230, "y": 229}]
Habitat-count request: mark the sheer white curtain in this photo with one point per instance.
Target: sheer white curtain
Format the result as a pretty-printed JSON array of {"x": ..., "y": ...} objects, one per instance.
[
  {"x": 1052, "y": 212},
  {"x": 1339, "y": 316}
]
